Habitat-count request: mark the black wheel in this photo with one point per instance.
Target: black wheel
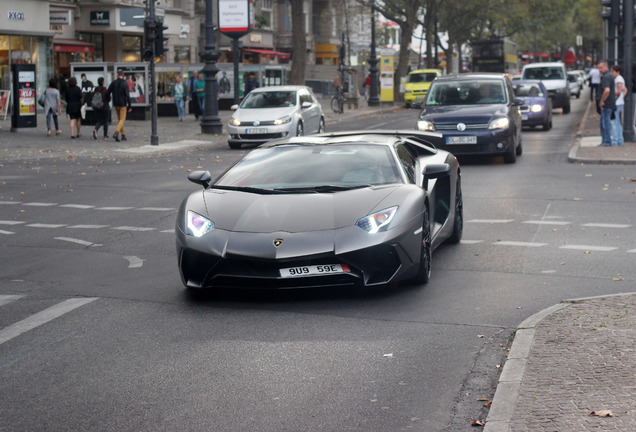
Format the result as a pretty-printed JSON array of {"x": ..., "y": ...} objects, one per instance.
[
  {"x": 299, "y": 129},
  {"x": 424, "y": 273},
  {"x": 511, "y": 156},
  {"x": 234, "y": 145},
  {"x": 519, "y": 150},
  {"x": 321, "y": 126},
  {"x": 547, "y": 125},
  {"x": 334, "y": 105},
  {"x": 566, "y": 109},
  {"x": 458, "y": 222}
]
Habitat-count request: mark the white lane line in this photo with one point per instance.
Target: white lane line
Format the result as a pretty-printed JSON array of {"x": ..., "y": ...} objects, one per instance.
[
  {"x": 543, "y": 222},
  {"x": 78, "y": 241},
  {"x": 134, "y": 262},
  {"x": 40, "y": 204},
  {"x": 589, "y": 248},
  {"x": 606, "y": 225},
  {"x": 493, "y": 221},
  {"x": 523, "y": 244},
  {"x": 6, "y": 232},
  {"x": 7, "y": 222},
  {"x": 88, "y": 226},
  {"x": 6, "y": 299},
  {"x": 157, "y": 208},
  {"x": 631, "y": 251},
  {"x": 43, "y": 317},
  {"x": 171, "y": 231},
  {"x": 471, "y": 241},
  {"x": 130, "y": 228},
  {"x": 114, "y": 208},
  {"x": 77, "y": 206},
  {"x": 9, "y": 202},
  {"x": 41, "y": 225}
]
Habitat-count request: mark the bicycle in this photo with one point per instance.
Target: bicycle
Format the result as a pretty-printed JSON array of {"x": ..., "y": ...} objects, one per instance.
[{"x": 337, "y": 102}]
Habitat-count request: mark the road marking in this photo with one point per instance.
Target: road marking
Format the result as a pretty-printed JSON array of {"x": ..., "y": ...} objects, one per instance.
[
  {"x": 40, "y": 204},
  {"x": 493, "y": 221},
  {"x": 5, "y": 222},
  {"x": 9, "y": 202},
  {"x": 157, "y": 208},
  {"x": 471, "y": 241},
  {"x": 6, "y": 232},
  {"x": 78, "y": 241},
  {"x": 524, "y": 244},
  {"x": 88, "y": 226},
  {"x": 6, "y": 299},
  {"x": 114, "y": 208},
  {"x": 542, "y": 222},
  {"x": 43, "y": 317},
  {"x": 589, "y": 248},
  {"x": 171, "y": 231},
  {"x": 135, "y": 262},
  {"x": 77, "y": 206},
  {"x": 606, "y": 225},
  {"x": 130, "y": 228},
  {"x": 41, "y": 225}
]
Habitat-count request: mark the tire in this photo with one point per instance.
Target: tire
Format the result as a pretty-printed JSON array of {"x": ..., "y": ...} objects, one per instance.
[
  {"x": 234, "y": 145},
  {"x": 407, "y": 105},
  {"x": 299, "y": 129},
  {"x": 424, "y": 272},
  {"x": 321, "y": 125},
  {"x": 458, "y": 222},
  {"x": 566, "y": 108},
  {"x": 547, "y": 125},
  {"x": 578, "y": 95},
  {"x": 519, "y": 150},
  {"x": 334, "y": 105},
  {"x": 511, "y": 156}
]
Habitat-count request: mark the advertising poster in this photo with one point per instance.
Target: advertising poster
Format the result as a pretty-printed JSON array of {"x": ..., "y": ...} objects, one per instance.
[
  {"x": 87, "y": 75},
  {"x": 5, "y": 102},
  {"x": 386, "y": 78},
  {"x": 136, "y": 75},
  {"x": 26, "y": 102}
]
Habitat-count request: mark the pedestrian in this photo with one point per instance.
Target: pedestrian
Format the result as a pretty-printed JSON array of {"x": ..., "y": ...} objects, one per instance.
[
  {"x": 74, "y": 104},
  {"x": 102, "y": 113},
  {"x": 200, "y": 90},
  {"x": 52, "y": 106},
  {"x": 194, "y": 103},
  {"x": 250, "y": 84},
  {"x": 621, "y": 90},
  {"x": 120, "y": 94},
  {"x": 180, "y": 92},
  {"x": 606, "y": 103},
  {"x": 594, "y": 77}
]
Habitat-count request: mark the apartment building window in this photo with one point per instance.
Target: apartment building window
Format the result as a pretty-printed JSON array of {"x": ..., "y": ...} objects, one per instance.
[
  {"x": 182, "y": 54},
  {"x": 96, "y": 39},
  {"x": 131, "y": 48}
]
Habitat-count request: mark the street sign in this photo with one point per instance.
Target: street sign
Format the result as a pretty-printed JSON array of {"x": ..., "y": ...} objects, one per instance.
[{"x": 234, "y": 17}]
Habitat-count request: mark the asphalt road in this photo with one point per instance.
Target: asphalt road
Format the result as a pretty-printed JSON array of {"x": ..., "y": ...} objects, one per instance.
[{"x": 97, "y": 333}]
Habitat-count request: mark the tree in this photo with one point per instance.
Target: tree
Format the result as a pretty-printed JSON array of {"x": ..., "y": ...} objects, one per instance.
[{"x": 299, "y": 44}]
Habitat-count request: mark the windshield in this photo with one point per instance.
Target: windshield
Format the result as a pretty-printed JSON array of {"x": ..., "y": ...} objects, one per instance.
[
  {"x": 466, "y": 92},
  {"x": 544, "y": 73},
  {"x": 292, "y": 167},
  {"x": 523, "y": 90},
  {"x": 421, "y": 77},
  {"x": 269, "y": 99}
]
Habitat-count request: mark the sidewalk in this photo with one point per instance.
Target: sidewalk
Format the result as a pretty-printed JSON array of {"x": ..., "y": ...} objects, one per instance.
[
  {"x": 572, "y": 367},
  {"x": 32, "y": 143}
]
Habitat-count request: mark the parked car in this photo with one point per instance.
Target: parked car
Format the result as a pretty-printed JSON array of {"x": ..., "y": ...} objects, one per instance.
[
  {"x": 417, "y": 84},
  {"x": 363, "y": 208},
  {"x": 476, "y": 113},
  {"x": 554, "y": 77},
  {"x": 575, "y": 84},
  {"x": 275, "y": 112},
  {"x": 536, "y": 109}
]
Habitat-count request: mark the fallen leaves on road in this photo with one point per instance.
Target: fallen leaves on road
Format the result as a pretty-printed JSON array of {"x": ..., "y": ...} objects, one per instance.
[
  {"x": 478, "y": 423},
  {"x": 602, "y": 413}
]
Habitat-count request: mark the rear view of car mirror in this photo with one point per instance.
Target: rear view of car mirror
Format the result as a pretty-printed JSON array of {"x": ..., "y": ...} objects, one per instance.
[
  {"x": 434, "y": 171},
  {"x": 200, "y": 177},
  {"x": 306, "y": 105}
]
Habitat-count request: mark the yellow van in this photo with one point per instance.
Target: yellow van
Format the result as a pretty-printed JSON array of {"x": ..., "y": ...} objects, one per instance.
[{"x": 417, "y": 85}]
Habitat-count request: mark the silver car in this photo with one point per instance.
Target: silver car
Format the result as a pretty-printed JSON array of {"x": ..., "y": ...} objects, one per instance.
[{"x": 275, "y": 112}]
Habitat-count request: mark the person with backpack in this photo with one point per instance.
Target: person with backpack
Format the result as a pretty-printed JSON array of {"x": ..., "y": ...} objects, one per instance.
[
  {"x": 120, "y": 93},
  {"x": 100, "y": 106}
]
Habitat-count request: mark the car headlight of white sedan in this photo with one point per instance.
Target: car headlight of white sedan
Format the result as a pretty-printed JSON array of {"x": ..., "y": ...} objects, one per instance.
[{"x": 283, "y": 120}]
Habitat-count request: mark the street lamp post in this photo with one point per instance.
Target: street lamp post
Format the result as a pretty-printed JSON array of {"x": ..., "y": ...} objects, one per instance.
[
  {"x": 373, "y": 61},
  {"x": 210, "y": 121}
]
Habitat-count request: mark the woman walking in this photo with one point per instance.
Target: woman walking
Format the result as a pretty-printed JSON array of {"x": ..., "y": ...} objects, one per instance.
[
  {"x": 103, "y": 113},
  {"x": 52, "y": 106},
  {"x": 74, "y": 106}
]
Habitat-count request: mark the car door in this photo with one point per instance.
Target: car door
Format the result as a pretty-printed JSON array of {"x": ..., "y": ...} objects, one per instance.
[
  {"x": 514, "y": 110},
  {"x": 310, "y": 116}
]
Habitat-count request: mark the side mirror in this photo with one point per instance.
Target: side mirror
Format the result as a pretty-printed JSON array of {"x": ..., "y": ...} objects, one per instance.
[
  {"x": 434, "y": 171},
  {"x": 518, "y": 102},
  {"x": 200, "y": 177},
  {"x": 306, "y": 105},
  {"x": 234, "y": 107}
]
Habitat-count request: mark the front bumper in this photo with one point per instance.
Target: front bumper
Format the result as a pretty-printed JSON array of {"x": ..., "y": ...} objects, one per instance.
[
  {"x": 529, "y": 118},
  {"x": 488, "y": 141},
  {"x": 258, "y": 134}
]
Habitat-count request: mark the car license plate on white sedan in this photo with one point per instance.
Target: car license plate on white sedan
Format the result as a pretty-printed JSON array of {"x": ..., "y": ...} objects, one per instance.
[
  {"x": 256, "y": 131},
  {"x": 316, "y": 270},
  {"x": 461, "y": 140}
]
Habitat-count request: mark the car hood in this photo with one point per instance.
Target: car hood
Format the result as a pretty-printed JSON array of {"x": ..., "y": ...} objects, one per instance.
[
  {"x": 249, "y": 212},
  {"x": 532, "y": 100},
  {"x": 262, "y": 114},
  {"x": 463, "y": 113}
]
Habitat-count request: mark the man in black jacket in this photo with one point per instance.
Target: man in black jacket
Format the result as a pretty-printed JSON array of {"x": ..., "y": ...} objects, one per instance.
[{"x": 121, "y": 101}]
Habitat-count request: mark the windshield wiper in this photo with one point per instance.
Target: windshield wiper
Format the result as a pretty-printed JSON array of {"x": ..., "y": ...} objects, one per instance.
[
  {"x": 246, "y": 189},
  {"x": 322, "y": 188}
]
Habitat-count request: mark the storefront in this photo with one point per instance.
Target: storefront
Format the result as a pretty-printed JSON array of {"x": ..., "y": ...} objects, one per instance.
[{"x": 23, "y": 40}]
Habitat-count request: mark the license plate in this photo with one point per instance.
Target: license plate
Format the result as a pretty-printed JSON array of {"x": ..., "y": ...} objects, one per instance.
[
  {"x": 256, "y": 131},
  {"x": 316, "y": 270},
  {"x": 420, "y": 97},
  {"x": 461, "y": 140},
  {"x": 524, "y": 117}
]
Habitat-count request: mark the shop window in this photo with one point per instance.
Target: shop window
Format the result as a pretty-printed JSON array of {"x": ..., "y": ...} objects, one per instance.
[
  {"x": 131, "y": 48},
  {"x": 182, "y": 54},
  {"x": 96, "y": 39}
]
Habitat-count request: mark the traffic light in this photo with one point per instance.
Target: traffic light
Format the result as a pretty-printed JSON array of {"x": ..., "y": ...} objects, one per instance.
[
  {"x": 149, "y": 39},
  {"x": 160, "y": 39}
]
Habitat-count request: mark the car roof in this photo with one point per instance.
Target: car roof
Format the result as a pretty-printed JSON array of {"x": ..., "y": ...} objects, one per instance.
[
  {"x": 425, "y": 70},
  {"x": 526, "y": 81},
  {"x": 471, "y": 76},
  {"x": 280, "y": 88},
  {"x": 546, "y": 64}
]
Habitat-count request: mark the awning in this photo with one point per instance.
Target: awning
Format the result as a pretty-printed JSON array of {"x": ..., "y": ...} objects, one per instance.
[
  {"x": 268, "y": 53},
  {"x": 73, "y": 45}
]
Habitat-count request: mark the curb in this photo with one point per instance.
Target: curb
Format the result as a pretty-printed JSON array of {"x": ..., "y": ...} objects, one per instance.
[{"x": 504, "y": 402}]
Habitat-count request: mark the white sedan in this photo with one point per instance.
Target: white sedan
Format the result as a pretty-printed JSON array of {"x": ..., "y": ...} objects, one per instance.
[{"x": 275, "y": 112}]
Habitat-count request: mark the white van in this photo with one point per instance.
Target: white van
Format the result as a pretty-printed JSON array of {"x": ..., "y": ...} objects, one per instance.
[{"x": 555, "y": 79}]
